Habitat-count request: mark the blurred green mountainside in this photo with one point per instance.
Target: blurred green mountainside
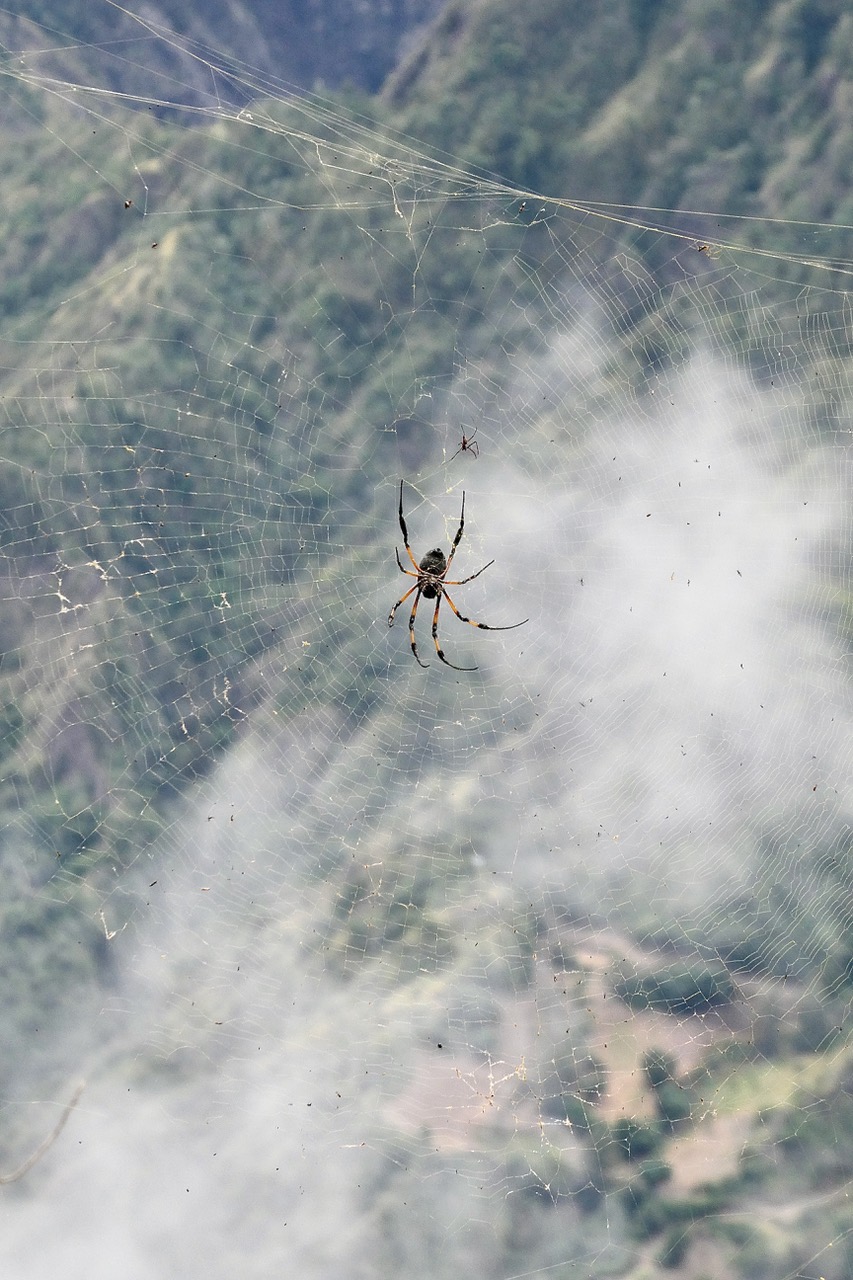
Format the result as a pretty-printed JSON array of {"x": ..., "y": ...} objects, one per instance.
[
  {"x": 118, "y": 481},
  {"x": 126, "y": 669},
  {"x": 669, "y": 104},
  {"x": 163, "y": 51}
]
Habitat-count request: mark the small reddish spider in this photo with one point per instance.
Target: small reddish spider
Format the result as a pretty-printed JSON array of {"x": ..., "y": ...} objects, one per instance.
[{"x": 468, "y": 445}]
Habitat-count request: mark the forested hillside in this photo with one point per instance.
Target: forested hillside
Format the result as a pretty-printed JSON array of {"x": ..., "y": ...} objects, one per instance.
[
  {"x": 554, "y": 939},
  {"x": 735, "y": 110},
  {"x": 188, "y": 51}
]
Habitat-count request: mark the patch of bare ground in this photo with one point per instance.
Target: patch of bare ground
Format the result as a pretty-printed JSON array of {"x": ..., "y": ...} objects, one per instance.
[
  {"x": 620, "y": 1036},
  {"x": 462, "y": 1098},
  {"x": 711, "y": 1151},
  {"x": 455, "y": 1099}
]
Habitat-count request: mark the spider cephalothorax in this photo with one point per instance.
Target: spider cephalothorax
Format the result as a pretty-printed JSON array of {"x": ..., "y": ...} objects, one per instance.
[
  {"x": 432, "y": 583},
  {"x": 433, "y": 565}
]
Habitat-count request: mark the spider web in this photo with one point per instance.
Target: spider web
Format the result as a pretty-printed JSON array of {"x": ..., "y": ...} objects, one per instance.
[{"x": 541, "y": 968}]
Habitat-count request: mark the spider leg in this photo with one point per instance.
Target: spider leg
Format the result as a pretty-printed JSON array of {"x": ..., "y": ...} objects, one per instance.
[
  {"x": 402, "y": 600},
  {"x": 400, "y": 567},
  {"x": 484, "y": 626},
  {"x": 468, "y": 444},
  {"x": 438, "y": 647},
  {"x": 458, "y": 537},
  {"x": 457, "y": 582},
  {"x": 405, "y": 533},
  {"x": 412, "y": 624}
]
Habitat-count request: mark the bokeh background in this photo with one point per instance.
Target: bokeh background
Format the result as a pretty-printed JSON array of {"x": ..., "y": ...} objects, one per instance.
[{"x": 350, "y": 967}]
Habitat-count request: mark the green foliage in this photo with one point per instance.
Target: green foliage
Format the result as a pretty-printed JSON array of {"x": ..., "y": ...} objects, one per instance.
[
  {"x": 674, "y": 1102},
  {"x": 674, "y": 1248},
  {"x": 817, "y": 1026},
  {"x": 736, "y": 108},
  {"x": 679, "y": 1219},
  {"x": 54, "y": 961},
  {"x": 636, "y": 1141},
  {"x": 659, "y": 1067},
  {"x": 801, "y": 928},
  {"x": 818, "y": 1139},
  {"x": 655, "y": 1172},
  {"x": 569, "y": 1107},
  {"x": 549, "y": 1176},
  {"x": 67, "y": 824},
  {"x": 647, "y": 1213},
  {"x": 576, "y": 1083},
  {"x": 400, "y": 911},
  {"x": 680, "y": 989}
]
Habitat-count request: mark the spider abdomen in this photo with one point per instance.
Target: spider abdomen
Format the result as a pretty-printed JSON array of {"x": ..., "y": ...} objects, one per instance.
[{"x": 433, "y": 563}]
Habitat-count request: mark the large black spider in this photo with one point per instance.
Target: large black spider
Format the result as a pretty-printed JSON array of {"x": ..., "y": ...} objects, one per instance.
[{"x": 432, "y": 583}]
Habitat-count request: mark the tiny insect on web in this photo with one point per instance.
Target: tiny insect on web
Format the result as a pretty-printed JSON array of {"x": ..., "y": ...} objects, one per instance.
[{"x": 432, "y": 583}]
